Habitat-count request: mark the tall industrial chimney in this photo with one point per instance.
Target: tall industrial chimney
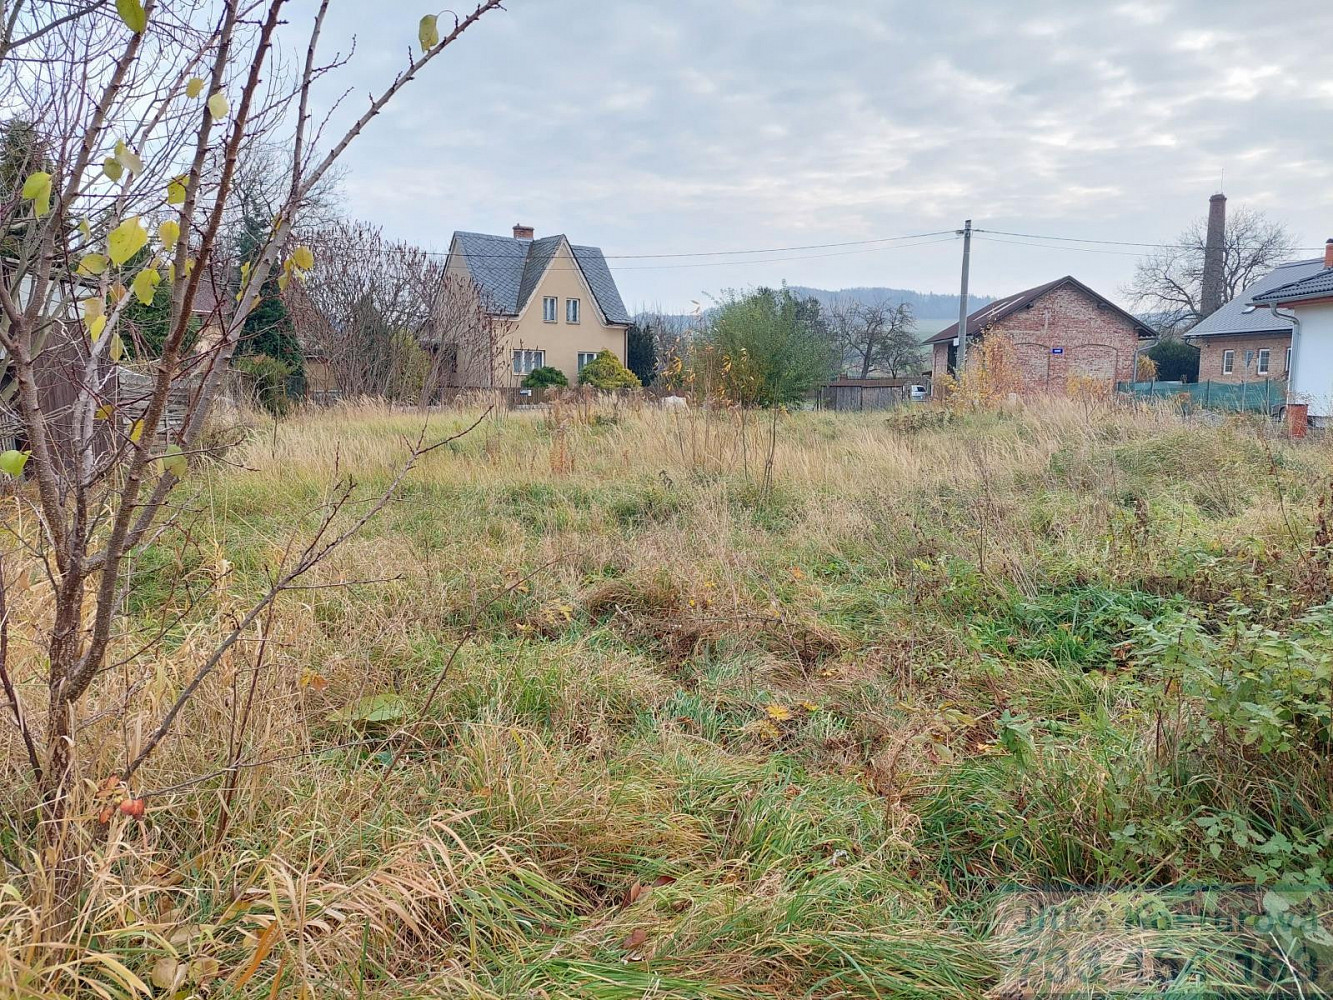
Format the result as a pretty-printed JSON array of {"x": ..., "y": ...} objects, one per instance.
[{"x": 1214, "y": 256}]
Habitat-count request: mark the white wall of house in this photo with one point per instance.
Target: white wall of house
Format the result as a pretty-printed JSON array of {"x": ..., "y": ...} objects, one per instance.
[{"x": 1312, "y": 380}]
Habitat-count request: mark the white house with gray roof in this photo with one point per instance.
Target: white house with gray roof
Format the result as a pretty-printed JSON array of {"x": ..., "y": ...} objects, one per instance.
[
  {"x": 554, "y": 304},
  {"x": 1308, "y": 301}
]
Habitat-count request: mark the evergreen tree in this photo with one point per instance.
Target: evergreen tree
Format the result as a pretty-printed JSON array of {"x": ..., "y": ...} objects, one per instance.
[
  {"x": 642, "y": 352},
  {"x": 269, "y": 329}
]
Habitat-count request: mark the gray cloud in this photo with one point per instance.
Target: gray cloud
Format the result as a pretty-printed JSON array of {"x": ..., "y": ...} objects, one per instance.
[{"x": 649, "y": 126}]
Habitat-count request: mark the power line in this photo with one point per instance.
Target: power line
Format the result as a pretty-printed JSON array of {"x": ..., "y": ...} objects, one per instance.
[
  {"x": 1116, "y": 243},
  {"x": 943, "y": 236},
  {"x": 1048, "y": 246}
]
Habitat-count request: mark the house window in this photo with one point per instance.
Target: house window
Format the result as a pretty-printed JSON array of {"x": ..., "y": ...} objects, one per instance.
[
  {"x": 586, "y": 357},
  {"x": 1263, "y": 361},
  {"x": 1249, "y": 359},
  {"x": 525, "y": 361},
  {"x": 1228, "y": 362},
  {"x": 549, "y": 306},
  {"x": 1286, "y": 364},
  {"x": 571, "y": 310}
]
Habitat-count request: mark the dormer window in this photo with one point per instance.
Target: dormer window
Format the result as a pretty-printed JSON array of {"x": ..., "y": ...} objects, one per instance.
[{"x": 549, "y": 306}]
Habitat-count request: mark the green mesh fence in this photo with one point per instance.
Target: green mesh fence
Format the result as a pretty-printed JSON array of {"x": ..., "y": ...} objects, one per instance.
[{"x": 1258, "y": 396}]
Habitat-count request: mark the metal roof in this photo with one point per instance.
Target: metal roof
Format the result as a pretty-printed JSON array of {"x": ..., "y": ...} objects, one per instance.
[
  {"x": 1318, "y": 285},
  {"x": 508, "y": 271},
  {"x": 1000, "y": 308},
  {"x": 1232, "y": 319}
]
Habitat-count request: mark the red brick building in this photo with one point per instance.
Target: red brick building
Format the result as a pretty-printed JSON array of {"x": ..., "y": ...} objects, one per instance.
[{"x": 1053, "y": 333}]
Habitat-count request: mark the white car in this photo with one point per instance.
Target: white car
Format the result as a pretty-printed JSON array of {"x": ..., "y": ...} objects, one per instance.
[{"x": 917, "y": 393}]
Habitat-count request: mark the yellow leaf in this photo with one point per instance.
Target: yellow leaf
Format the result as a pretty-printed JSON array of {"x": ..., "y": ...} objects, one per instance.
[
  {"x": 85, "y": 230},
  {"x": 132, "y": 13},
  {"x": 283, "y": 280},
  {"x": 303, "y": 258},
  {"x": 37, "y": 189},
  {"x": 136, "y": 430},
  {"x": 128, "y": 159},
  {"x": 194, "y": 87},
  {"x": 104, "y": 412},
  {"x": 797, "y": 573},
  {"x": 175, "y": 462},
  {"x": 810, "y": 706},
  {"x": 93, "y": 307},
  {"x": 778, "y": 713},
  {"x": 145, "y": 285},
  {"x": 218, "y": 106},
  {"x": 126, "y": 240},
  {"x": 112, "y": 168},
  {"x": 95, "y": 327},
  {"x": 12, "y": 462},
  {"x": 117, "y": 349},
  {"x": 767, "y": 730},
  {"x": 169, "y": 232},
  {"x": 91, "y": 264},
  {"x": 428, "y": 32},
  {"x": 176, "y": 190}
]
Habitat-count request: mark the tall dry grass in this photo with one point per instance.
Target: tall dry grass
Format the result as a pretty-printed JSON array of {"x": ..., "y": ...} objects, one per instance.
[{"x": 685, "y": 758}]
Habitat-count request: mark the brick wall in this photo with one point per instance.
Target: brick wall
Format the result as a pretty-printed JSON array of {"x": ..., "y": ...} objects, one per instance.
[
  {"x": 1212, "y": 349},
  {"x": 1093, "y": 342}
]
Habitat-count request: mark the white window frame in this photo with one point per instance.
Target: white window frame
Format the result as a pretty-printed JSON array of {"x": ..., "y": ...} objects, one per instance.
[
  {"x": 1228, "y": 362},
  {"x": 572, "y": 308},
  {"x": 587, "y": 358},
  {"x": 526, "y": 360},
  {"x": 1249, "y": 360},
  {"x": 1262, "y": 360},
  {"x": 550, "y": 308}
]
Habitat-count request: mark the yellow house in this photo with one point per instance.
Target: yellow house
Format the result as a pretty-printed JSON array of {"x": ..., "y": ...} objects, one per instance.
[{"x": 549, "y": 303}]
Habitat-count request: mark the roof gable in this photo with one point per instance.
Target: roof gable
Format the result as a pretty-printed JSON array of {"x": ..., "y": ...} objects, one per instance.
[
  {"x": 1002, "y": 308},
  {"x": 508, "y": 271},
  {"x": 1232, "y": 318}
]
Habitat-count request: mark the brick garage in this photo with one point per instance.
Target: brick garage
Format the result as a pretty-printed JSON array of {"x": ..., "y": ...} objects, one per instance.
[{"x": 1054, "y": 333}]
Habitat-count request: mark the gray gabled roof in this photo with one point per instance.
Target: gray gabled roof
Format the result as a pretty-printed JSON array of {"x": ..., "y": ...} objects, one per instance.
[
  {"x": 995, "y": 311},
  {"x": 598, "y": 276},
  {"x": 508, "y": 271},
  {"x": 1317, "y": 285},
  {"x": 1232, "y": 320},
  {"x": 496, "y": 265},
  {"x": 540, "y": 254}
]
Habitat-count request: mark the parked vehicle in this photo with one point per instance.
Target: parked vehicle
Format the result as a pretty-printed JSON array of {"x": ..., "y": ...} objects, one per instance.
[{"x": 918, "y": 393}]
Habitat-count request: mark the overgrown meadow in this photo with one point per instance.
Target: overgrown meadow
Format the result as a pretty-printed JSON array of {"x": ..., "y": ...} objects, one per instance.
[{"x": 585, "y": 712}]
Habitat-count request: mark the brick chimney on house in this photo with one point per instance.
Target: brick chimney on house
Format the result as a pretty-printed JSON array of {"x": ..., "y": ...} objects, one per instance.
[
  {"x": 1328, "y": 254},
  {"x": 1214, "y": 256},
  {"x": 523, "y": 232}
]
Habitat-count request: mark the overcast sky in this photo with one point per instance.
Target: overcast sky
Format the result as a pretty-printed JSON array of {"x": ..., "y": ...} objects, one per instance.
[{"x": 681, "y": 126}]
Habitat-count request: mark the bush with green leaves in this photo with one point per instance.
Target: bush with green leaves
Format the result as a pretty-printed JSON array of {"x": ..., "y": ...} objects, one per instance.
[
  {"x": 606, "y": 372},
  {"x": 776, "y": 347},
  {"x": 545, "y": 377},
  {"x": 1176, "y": 360},
  {"x": 266, "y": 378}
]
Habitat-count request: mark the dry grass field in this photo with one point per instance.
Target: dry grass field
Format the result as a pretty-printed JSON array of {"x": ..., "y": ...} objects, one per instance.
[{"x": 585, "y": 713}]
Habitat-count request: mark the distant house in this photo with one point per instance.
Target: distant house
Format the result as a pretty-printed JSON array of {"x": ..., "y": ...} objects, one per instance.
[
  {"x": 1241, "y": 343},
  {"x": 554, "y": 305},
  {"x": 1056, "y": 332},
  {"x": 1309, "y": 299}
]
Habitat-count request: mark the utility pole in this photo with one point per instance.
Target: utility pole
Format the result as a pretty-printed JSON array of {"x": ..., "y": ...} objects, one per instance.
[{"x": 961, "y": 355}]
